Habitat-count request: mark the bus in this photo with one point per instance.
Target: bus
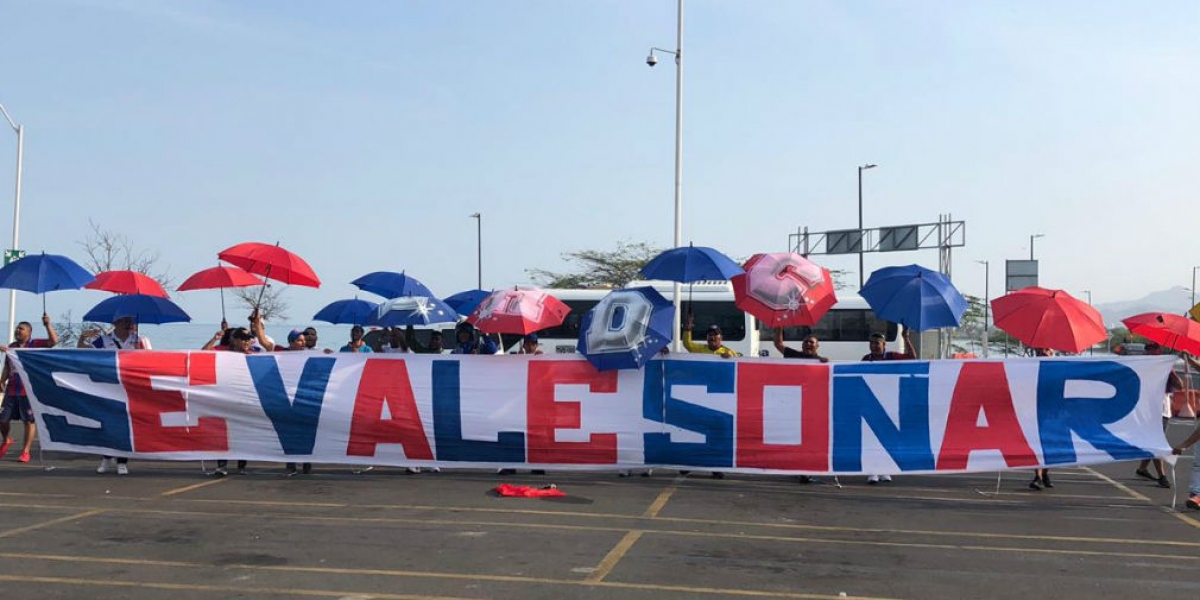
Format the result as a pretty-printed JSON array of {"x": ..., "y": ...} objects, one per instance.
[{"x": 844, "y": 331}]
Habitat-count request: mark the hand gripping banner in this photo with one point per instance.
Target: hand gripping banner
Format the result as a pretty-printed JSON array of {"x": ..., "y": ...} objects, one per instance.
[{"x": 559, "y": 412}]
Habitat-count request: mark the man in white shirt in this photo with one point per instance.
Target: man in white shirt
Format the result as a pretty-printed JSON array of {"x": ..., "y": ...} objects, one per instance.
[{"x": 124, "y": 336}]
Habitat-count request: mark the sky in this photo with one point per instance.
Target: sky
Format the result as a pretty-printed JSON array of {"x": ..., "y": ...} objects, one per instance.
[{"x": 362, "y": 136}]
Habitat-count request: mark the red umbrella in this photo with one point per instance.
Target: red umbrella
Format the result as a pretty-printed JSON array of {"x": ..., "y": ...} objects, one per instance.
[
  {"x": 520, "y": 311},
  {"x": 784, "y": 289},
  {"x": 1054, "y": 319},
  {"x": 1173, "y": 331},
  {"x": 271, "y": 262},
  {"x": 127, "y": 282},
  {"x": 219, "y": 277}
]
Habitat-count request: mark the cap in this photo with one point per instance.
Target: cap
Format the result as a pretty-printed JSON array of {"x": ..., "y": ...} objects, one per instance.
[
  {"x": 530, "y": 337},
  {"x": 714, "y": 328},
  {"x": 293, "y": 334},
  {"x": 464, "y": 326}
]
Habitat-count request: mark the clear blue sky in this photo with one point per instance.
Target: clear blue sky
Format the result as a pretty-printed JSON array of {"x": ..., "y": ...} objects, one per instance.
[{"x": 362, "y": 135}]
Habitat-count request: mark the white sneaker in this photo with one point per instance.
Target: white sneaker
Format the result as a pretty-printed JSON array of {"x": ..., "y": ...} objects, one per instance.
[
  {"x": 122, "y": 469},
  {"x": 885, "y": 478},
  {"x": 873, "y": 479},
  {"x": 106, "y": 464}
]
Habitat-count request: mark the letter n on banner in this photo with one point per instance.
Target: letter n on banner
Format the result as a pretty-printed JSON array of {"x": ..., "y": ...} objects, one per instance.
[
  {"x": 811, "y": 385},
  {"x": 544, "y": 415},
  {"x": 147, "y": 405},
  {"x": 385, "y": 382},
  {"x": 982, "y": 389},
  {"x": 854, "y": 404}
]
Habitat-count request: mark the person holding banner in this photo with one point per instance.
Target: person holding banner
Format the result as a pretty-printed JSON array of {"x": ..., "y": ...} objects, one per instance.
[
  {"x": 1174, "y": 384},
  {"x": 1193, "y": 500},
  {"x": 470, "y": 342},
  {"x": 124, "y": 336},
  {"x": 878, "y": 351},
  {"x": 808, "y": 349},
  {"x": 435, "y": 341},
  {"x": 240, "y": 340},
  {"x": 356, "y": 343},
  {"x": 1041, "y": 477},
  {"x": 714, "y": 342},
  {"x": 16, "y": 401}
]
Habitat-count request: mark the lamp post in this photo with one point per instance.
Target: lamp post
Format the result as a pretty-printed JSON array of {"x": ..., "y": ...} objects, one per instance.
[
  {"x": 1031, "y": 238},
  {"x": 12, "y": 294},
  {"x": 861, "y": 237},
  {"x": 1189, "y": 308},
  {"x": 987, "y": 306},
  {"x": 652, "y": 60},
  {"x": 478, "y": 250},
  {"x": 1092, "y": 348}
]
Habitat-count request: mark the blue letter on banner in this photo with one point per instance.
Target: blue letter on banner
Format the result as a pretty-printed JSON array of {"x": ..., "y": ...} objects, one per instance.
[
  {"x": 1059, "y": 416},
  {"x": 447, "y": 425},
  {"x": 716, "y": 426},
  {"x": 100, "y": 367},
  {"x": 853, "y": 403},
  {"x": 295, "y": 422}
]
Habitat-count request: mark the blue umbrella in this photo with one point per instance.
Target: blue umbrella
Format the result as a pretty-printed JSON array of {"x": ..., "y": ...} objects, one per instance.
[
  {"x": 391, "y": 285},
  {"x": 690, "y": 264},
  {"x": 915, "y": 297},
  {"x": 43, "y": 273},
  {"x": 413, "y": 310},
  {"x": 626, "y": 329},
  {"x": 347, "y": 312},
  {"x": 465, "y": 303},
  {"x": 139, "y": 307}
]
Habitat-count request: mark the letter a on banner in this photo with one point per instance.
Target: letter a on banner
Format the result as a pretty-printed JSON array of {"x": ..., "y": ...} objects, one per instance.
[
  {"x": 386, "y": 382},
  {"x": 982, "y": 389}
]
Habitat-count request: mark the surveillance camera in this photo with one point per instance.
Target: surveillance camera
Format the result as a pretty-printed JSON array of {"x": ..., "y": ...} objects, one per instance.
[{"x": 652, "y": 60}]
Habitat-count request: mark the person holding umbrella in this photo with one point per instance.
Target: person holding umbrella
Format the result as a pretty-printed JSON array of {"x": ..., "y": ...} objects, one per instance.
[
  {"x": 124, "y": 336},
  {"x": 436, "y": 345},
  {"x": 16, "y": 402},
  {"x": 471, "y": 343},
  {"x": 713, "y": 341}
]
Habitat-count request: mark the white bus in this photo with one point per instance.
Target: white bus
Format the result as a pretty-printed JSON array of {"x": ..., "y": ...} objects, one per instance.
[{"x": 843, "y": 331}]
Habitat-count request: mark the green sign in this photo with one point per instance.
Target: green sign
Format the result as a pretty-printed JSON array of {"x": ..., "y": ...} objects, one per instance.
[{"x": 11, "y": 256}]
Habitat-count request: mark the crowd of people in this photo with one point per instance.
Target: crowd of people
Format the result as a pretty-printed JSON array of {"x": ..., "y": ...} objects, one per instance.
[{"x": 253, "y": 339}]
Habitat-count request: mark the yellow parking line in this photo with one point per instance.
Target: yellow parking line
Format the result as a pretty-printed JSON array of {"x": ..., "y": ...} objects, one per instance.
[
  {"x": 253, "y": 591},
  {"x": 614, "y": 556},
  {"x": 194, "y": 486},
  {"x": 661, "y": 501},
  {"x": 66, "y": 519},
  {"x": 1178, "y": 515}
]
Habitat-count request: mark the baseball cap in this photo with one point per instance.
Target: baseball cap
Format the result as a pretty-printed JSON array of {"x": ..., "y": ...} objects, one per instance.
[
  {"x": 714, "y": 328},
  {"x": 293, "y": 334},
  {"x": 531, "y": 337}
]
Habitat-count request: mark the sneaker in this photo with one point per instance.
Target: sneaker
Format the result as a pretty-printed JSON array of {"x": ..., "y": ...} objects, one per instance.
[
  {"x": 219, "y": 472},
  {"x": 537, "y": 472},
  {"x": 806, "y": 479},
  {"x": 1163, "y": 483},
  {"x": 885, "y": 478},
  {"x": 4, "y": 446},
  {"x": 122, "y": 469},
  {"x": 412, "y": 470},
  {"x": 873, "y": 479},
  {"x": 506, "y": 471},
  {"x": 24, "y": 457},
  {"x": 435, "y": 469},
  {"x": 1035, "y": 485},
  {"x": 290, "y": 471},
  {"x": 717, "y": 475},
  {"x": 106, "y": 465},
  {"x": 1144, "y": 473},
  {"x": 307, "y": 469},
  {"x": 1193, "y": 501}
]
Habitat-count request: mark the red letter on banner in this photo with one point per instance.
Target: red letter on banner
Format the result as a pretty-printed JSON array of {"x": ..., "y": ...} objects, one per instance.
[
  {"x": 544, "y": 415},
  {"x": 812, "y": 453},
  {"x": 983, "y": 388},
  {"x": 386, "y": 381},
  {"x": 147, "y": 405}
]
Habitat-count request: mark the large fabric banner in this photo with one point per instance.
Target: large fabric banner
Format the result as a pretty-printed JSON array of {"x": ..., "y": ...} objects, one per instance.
[{"x": 689, "y": 412}]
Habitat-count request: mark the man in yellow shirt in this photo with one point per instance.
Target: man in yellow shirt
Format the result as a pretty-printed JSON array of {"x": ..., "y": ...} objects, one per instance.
[{"x": 713, "y": 342}]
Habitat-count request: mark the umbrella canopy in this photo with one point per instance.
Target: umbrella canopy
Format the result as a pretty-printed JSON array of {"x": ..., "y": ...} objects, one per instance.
[
  {"x": 1043, "y": 318},
  {"x": 219, "y": 278},
  {"x": 465, "y": 303},
  {"x": 519, "y": 311},
  {"x": 271, "y": 262},
  {"x": 413, "y": 310},
  {"x": 139, "y": 307},
  {"x": 40, "y": 273},
  {"x": 784, "y": 289},
  {"x": 690, "y": 264},
  {"x": 127, "y": 282},
  {"x": 1173, "y": 331},
  {"x": 626, "y": 329},
  {"x": 347, "y": 312},
  {"x": 915, "y": 297},
  {"x": 390, "y": 284}
]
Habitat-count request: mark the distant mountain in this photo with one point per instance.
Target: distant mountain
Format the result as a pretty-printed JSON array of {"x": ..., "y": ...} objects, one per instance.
[{"x": 1175, "y": 300}]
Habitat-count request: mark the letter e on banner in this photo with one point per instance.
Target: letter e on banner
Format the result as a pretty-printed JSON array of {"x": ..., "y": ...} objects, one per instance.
[
  {"x": 982, "y": 388},
  {"x": 544, "y": 415},
  {"x": 147, "y": 405},
  {"x": 812, "y": 383},
  {"x": 386, "y": 381}
]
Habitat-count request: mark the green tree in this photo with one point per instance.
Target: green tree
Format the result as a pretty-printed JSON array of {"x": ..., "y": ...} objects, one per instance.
[{"x": 599, "y": 268}]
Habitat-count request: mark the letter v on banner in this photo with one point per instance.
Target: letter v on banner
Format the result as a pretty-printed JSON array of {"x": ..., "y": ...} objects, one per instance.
[{"x": 295, "y": 422}]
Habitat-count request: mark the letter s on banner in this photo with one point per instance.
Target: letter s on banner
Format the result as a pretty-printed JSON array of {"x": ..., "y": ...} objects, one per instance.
[{"x": 100, "y": 366}]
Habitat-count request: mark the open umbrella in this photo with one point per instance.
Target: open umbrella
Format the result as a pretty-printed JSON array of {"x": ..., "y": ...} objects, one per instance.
[
  {"x": 413, "y": 310},
  {"x": 272, "y": 262},
  {"x": 390, "y": 284},
  {"x": 41, "y": 273},
  {"x": 1173, "y": 331},
  {"x": 690, "y": 264},
  {"x": 126, "y": 282},
  {"x": 347, "y": 312},
  {"x": 139, "y": 307},
  {"x": 1044, "y": 318},
  {"x": 465, "y": 303},
  {"x": 784, "y": 289},
  {"x": 219, "y": 277},
  {"x": 626, "y": 328},
  {"x": 916, "y": 297},
  {"x": 519, "y": 311}
]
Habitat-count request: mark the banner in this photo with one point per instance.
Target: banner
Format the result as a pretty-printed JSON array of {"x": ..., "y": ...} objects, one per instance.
[{"x": 558, "y": 412}]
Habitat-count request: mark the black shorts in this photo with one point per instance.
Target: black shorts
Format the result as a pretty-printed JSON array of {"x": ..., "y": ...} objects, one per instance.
[{"x": 16, "y": 407}]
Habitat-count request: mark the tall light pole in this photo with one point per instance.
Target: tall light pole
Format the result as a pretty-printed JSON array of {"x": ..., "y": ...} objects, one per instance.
[
  {"x": 1031, "y": 238},
  {"x": 1092, "y": 348},
  {"x": 12, "y": 294},
  {"x": 861, "y": 237},
  {"x": 987, "y": 306},
  {"x": 652, "y": 60},
  {"x": 1193, "y": 286},
  {"x": 478, "y": 250}
]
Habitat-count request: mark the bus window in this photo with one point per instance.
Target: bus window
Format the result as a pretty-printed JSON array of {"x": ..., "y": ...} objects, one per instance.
[
  {"x": 569, "y": 330},
  {"x": 727, "y": 315},
  {"x": 838, "y": 325}
]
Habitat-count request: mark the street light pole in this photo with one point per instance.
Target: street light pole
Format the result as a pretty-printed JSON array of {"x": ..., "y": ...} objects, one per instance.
[
  {"x": 1193, "y": 288},
  {"x": 1031, "y": 238},
  {"x": 12, "y": 294},
  {"x": 678, "y": 239},
  {"x": 478, "y": 250},
  {"x": 1092, "y": 348},
  {"x": 987, "y": 306},
  {"x": 861, "y": 237}
]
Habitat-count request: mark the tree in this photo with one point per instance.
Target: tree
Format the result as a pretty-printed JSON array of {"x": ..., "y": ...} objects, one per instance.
[
  {"x": 599, "y": 268},
  {"x": 107, "y": 251},
  {"x": 273, "y": 306}
]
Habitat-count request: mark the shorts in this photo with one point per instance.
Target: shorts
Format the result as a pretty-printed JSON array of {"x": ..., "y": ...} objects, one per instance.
[{"x": 16, "y": 407}]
